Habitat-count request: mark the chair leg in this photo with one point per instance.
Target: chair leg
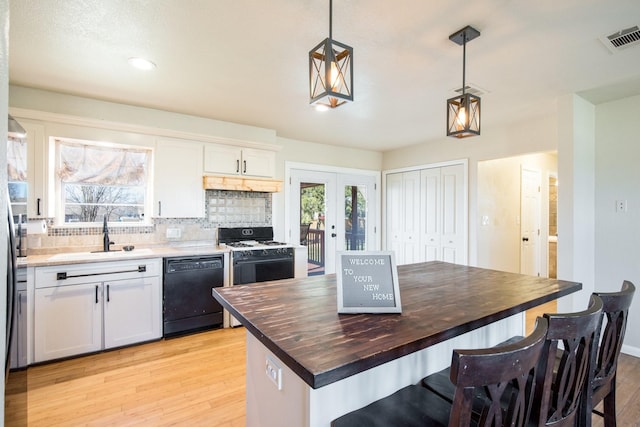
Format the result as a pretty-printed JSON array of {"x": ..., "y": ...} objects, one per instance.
[{"x": 610, "y": 406}]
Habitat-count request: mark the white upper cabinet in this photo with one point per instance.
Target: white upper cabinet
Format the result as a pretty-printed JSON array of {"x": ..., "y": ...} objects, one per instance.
[
  {"x": 230, "y": 160},
  {"x": 178, "y": 180},
  {"x": 36, "y": 178}
]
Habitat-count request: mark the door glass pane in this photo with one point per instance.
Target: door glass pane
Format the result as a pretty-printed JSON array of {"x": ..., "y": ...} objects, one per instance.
[
  {"x": 355, "y": 217},
  {"x": 312, "y": 225}
]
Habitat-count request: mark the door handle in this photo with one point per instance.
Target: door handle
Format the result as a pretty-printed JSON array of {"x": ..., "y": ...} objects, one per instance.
[
  {"x": 108, "y": 298},
  {"x": 525, "y": 239},
  {"x": 96, "y": 294},
  {"x": 333, "y": 234}
]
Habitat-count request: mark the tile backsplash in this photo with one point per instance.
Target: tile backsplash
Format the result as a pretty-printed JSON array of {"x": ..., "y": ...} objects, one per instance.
[
  {"x": 222, "y": 209},
  {"x": 238, "y": 208}
]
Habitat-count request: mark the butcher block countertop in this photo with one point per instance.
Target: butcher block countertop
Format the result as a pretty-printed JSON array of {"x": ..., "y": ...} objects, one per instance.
[{"x": 297, "y": 319}]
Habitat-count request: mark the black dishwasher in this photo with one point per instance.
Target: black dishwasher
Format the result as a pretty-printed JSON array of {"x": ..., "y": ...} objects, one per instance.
[{"x": 188, "y": 305}]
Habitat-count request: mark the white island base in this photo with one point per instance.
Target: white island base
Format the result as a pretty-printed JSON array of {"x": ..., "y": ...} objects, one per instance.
[{"x": 297, "y": 404}]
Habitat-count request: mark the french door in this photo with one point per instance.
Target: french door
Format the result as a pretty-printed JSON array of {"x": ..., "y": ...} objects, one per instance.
[{"x": 335, "y": 212}]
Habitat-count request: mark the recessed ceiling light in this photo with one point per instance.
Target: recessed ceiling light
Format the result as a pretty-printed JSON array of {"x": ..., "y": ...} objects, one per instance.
[{"x": 141, "y": 63}]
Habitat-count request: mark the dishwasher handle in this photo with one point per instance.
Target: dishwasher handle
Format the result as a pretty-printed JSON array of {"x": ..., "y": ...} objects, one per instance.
[{"x": 62, "y": 275}]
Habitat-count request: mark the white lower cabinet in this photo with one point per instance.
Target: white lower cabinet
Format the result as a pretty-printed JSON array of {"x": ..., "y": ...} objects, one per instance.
[
  {"x": 68, "y": 321},
  {"x": 96, "y": 306},
  {"x": 132, "y": 311}
]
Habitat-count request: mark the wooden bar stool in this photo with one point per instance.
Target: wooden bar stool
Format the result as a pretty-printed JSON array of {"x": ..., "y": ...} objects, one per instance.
[
  {"x": 564, "y": 371},
  {"x": 491, "y": 369},
  {"x": 603, "y": 378}
]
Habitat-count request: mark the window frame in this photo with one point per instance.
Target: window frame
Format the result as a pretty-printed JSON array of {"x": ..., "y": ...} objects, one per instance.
[{"x": 58, "y": 186}]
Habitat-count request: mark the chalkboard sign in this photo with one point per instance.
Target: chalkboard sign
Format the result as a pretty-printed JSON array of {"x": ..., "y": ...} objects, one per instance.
[{"x": 367, "y": 282}]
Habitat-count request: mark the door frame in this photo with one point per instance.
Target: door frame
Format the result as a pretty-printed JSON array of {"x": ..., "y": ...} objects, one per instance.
[{"x": 311, "y": 167}]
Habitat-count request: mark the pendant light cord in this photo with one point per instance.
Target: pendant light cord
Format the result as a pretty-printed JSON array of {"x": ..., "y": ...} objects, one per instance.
[
  {"x": 330, "y": 19},
  {"x": 464, "y": 60}
]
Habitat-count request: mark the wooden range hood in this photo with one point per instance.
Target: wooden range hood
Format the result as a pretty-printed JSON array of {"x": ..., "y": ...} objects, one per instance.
[{"x": 239, "y": 183}]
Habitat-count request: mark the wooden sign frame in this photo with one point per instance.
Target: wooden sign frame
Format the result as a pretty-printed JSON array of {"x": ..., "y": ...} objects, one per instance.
[{"x": 367, "y": 282}]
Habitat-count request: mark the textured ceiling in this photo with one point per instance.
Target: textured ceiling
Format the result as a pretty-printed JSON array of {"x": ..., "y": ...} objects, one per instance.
[{"x": 246, "y": 61}]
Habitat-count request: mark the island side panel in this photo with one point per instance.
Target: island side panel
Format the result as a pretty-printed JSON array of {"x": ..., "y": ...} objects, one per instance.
[
  {"x": 267, "y": 406},
  {"x": 300, "y": 405}
]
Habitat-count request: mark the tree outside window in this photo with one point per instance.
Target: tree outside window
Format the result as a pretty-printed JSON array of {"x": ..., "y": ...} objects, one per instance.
[{"x": 102, "y": 179}]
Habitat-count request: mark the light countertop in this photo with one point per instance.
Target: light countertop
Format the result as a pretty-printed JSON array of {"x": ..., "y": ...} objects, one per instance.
[{"x": 62, "y": 258}]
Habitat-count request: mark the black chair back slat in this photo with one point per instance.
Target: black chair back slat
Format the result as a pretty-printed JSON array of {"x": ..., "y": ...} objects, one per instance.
[
  {"x": 603, "y": 375},
  {"x": 498, "y": 370},
  {"x": 564, "y": 372}
]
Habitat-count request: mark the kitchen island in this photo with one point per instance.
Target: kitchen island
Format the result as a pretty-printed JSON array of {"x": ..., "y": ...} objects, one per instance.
[{"x": 307, "y": 364}]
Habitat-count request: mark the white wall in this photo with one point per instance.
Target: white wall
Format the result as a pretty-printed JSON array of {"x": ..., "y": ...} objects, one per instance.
[
  {"x": 499, "y": 237},
  {"x": 576, "y": 194},
  {"x": 41, "y": 100},
  {"x": 617, "y": 177},
  {"x": 536, "y": 136}
]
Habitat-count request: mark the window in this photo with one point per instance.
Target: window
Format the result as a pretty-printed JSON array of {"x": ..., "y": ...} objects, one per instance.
[
  {"x": 98, "y": 179},
  {"x": 17, "y": 176}
]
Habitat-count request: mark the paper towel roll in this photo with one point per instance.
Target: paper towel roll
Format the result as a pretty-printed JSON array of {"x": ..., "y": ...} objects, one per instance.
[{"x": 37, "y": 227}]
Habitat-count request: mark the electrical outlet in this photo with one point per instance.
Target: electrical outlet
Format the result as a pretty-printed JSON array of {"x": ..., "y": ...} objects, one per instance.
[
  {"x": 274, "y": 372},
  {"x": 621, "y": 205},
  {"x": 174, "y": 233}
]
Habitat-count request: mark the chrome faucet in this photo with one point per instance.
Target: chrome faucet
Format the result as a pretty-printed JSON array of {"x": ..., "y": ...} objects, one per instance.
[{"x": 105, "y": 238}]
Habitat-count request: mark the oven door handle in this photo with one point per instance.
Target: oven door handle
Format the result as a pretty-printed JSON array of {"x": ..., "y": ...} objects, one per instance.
[{"x": 261, "y": 261}]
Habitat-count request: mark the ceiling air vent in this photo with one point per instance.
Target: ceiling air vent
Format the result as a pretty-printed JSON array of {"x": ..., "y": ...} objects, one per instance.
[{"x": 622, "y": 39}]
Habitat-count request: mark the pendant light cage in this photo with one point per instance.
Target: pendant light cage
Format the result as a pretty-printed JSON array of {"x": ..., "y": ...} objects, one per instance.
[
  {"x": 463, "y": 116},
  {"x": 330, "y": 71},
  {"x": 463, "y": 111}
]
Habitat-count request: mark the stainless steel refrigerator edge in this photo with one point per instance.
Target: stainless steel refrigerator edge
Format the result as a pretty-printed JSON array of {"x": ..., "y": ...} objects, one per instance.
[{"x": 10, "y": 286}]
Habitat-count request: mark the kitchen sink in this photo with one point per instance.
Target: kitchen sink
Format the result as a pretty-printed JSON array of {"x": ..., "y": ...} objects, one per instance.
[{"x": 77, "y": 256}]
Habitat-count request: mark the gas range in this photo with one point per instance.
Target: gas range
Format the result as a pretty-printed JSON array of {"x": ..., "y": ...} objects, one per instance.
[
  {"x": 253, "y": 244},
  {"x": 249, "y": 238},
  {"x": 256, "y": 257}
]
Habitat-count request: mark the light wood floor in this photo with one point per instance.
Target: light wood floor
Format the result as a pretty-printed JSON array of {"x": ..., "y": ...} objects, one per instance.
[{"x": 196, "y": 380}]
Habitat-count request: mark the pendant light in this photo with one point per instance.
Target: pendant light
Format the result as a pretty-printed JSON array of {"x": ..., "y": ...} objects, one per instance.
[
  {"x": 463, "y": 111},
  {"x": 330, "y": 71},
  {"x": 15, "y": 129}
]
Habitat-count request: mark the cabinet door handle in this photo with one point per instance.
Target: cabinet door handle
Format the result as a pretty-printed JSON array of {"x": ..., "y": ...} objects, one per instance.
[
  {"x": 38, "y": 213},
  {"x": 244, "y": 162},
  {"x": 108, "y": 297},
  {"x": 238, "y": 166},
  {"x": 160, "y": 208},
  {"x": 96, "y": 294}
]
